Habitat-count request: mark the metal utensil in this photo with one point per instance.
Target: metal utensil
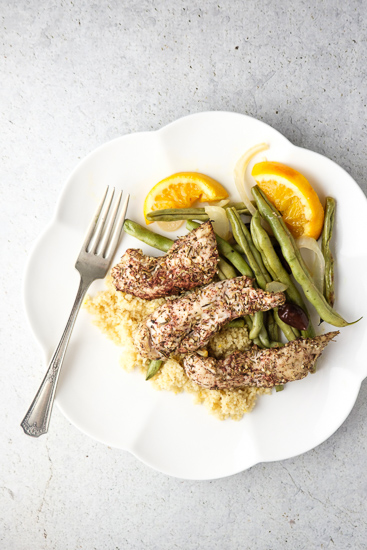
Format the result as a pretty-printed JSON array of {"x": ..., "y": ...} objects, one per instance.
[{"x": 92, "y": 263}]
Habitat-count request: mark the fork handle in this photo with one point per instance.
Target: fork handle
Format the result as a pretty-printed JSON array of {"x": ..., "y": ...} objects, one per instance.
[{"x": 37, "y": 419}]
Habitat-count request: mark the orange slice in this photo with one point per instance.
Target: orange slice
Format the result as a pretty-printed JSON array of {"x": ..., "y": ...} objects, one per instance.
[
  {"x": 181, "y": 190},
  {"x": 291, "y": 193}
]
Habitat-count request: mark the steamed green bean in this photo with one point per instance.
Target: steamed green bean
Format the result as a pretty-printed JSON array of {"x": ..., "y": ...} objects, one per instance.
[
  {"x": 249, "y": 323},
  {"x": 173, "y": 214},
  {"x": 236, "y": 323},
  {"x": 327, "y": 232},
  {"x": 272, "y": 327},
  {"x": 276, "y": 269},
  {"x": 244, "y": 239},
  {"x": 239, "y": 232},
  {"x": 148, "y": 237},
  {"x": 295, "y": 261},
  {"x": 226, "y": 269}
]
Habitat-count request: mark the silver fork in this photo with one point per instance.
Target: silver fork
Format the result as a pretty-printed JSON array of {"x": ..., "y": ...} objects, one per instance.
[{"x": 92, "y": 263}]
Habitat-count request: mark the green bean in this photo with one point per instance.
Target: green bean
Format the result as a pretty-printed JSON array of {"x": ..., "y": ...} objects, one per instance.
[
  {"x": 289, "y": 332},
  {"x": 276, "y": 344},
  {"x": 153, "y": 368},
  {"x": 272, "y": 327},
  {"x": 221, "y": 275},
  {"x": 258, "y": 320},
  {"x": 147, "y": 237},
  {"x": 249, "y": 323},
  {"x": 327, "y": 232},
  {"x": 191, "y": 210},
  {"x": 173, "y": 214},
  {"x": 276, "y": 269},
  {"x": 243, "y": 238},
  {"x": 236, "y": 323},
  {"x": 266, "y": 342},
  {"x": 295, "y": 261},
  {"x": 237, "y": 247},
  {"x": 240, "y": 206},
  {"x": 257, "y": 256},
  {"x": 279, "y": 387},
  {"x": 176, "y": 217},
  {"x": 226, "y": 269},
  {"x": 264, "y": 338},
  {"x": 258, "y": 323},
  {"x": 239, "y": 235}
]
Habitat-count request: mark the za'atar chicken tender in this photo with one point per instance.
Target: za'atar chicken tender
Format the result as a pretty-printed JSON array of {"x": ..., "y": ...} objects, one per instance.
[
  {"x": 191, "y": 262},
  {"x": 260, "y": 368},
  {"x": 186, "y": 324}
]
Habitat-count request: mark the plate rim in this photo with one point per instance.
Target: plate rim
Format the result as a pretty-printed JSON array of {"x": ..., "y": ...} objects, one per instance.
[{"x": 54, "y": 219}]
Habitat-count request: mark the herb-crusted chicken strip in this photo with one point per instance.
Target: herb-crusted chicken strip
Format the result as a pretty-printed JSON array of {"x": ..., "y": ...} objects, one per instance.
[
  {"x": 260, "y": 368},
  {"x": 191, "y": 262},
  {"x": 184, "y": 325}
]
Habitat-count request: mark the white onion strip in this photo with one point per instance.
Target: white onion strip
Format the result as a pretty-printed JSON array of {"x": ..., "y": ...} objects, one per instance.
[
  {"x": 219, "y": 219},
  {"x": 243, "y": 186},
  {"x": 318, "y": 269},
  {"x": 276, "y": 286},
  {"x": 221, "y": 203}
]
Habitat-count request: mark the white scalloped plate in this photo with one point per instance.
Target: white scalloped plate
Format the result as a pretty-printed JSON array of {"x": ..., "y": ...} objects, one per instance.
[{"x": 166, "y": 431}]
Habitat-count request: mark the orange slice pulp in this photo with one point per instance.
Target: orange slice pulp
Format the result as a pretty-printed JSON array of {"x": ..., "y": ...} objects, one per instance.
[
  {"x": 291, "y": 193},
  {"x": 181, "y": 190}
]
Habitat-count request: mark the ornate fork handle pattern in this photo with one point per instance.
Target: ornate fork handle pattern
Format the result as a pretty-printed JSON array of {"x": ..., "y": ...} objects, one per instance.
[
  {"x": 93, "y": 262},
  {"x": 37, "y": 419}
]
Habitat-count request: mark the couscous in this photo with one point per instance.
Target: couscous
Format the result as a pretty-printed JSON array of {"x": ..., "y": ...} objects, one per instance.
[{"x": 118, "y": 314}]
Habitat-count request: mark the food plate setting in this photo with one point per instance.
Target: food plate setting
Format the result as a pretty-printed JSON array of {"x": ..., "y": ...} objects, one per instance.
[{"x": 167, "y": 431}]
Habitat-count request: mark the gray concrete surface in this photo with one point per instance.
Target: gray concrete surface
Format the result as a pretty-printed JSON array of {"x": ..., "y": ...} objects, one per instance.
[{"x": 75, "y": 74}]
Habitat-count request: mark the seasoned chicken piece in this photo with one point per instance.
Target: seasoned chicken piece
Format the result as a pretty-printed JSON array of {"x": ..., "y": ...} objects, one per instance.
[
  {"x": 263, "y": 368},
  {"x": 191, "y": 262},
  {"x": 186, "y": 324}
]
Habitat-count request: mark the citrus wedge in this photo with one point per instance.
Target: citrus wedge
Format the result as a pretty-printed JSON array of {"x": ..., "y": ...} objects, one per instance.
[
  {"x": 291, "y": 193},
  {"x": 181, "y": 190}
]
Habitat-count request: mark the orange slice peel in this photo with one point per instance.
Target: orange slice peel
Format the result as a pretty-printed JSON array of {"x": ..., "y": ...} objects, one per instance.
[
  {"x": 181, "y": 190},
  {"x": 291, "y": 193}
]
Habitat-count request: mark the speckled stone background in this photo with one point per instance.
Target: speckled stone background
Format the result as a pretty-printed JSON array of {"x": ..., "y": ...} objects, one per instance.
[{"x": 76, "y": 74}]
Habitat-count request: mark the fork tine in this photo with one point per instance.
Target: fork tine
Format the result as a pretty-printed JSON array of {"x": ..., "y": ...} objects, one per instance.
[
  {"x": 94, "y": 221},
  {"x": 100, "y": 224},
  {"x": 118, "y": 228},
  {"x": 108, "y": 231}
]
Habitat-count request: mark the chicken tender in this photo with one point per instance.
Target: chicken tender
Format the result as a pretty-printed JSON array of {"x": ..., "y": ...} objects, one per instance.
[
  {"x": 191, "y": 262},
  {"x": 260, "y": 368},
  {"x": 184, "y": 325}
]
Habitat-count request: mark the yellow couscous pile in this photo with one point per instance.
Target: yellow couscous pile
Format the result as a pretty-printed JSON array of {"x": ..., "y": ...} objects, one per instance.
[{"x": 117, "y": 314}]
